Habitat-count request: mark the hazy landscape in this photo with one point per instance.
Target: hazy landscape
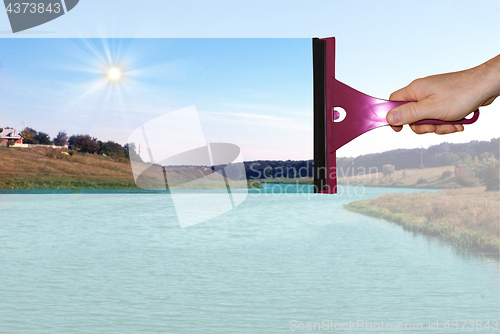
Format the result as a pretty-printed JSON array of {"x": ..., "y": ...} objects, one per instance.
[{"x": 89, "y": 163}]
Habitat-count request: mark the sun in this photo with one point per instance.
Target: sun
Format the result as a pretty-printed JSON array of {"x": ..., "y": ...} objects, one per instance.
[{"x": 114, "y": 74}]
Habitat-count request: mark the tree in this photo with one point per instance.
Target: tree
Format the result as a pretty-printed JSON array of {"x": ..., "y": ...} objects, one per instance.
[
  {"x": 131, "y": 152},
  {"x": 83, "y": 143},
  {"x": 61, "y": 139},
  {"x": 388, "y": 169},
  {"x": 491, "y": 176},
  {"x": 28, "y": 135},
  {"x": 112, "y": 149},
  {"x": 489, "y": 172},
  {"x": 43, "y": 139}
]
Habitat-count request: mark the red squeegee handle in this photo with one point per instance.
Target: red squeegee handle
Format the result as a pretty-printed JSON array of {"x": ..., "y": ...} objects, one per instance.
[
  {"x": 475, "y": 116},
  {"x": 471, "y": 120}
]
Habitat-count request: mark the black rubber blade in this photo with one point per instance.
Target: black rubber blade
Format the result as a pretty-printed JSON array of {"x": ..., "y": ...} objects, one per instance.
[{"x": 320, "y": 168}]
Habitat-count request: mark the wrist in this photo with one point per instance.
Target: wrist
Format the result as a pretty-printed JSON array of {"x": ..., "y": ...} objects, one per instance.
[{"x": 489, "y": 73}]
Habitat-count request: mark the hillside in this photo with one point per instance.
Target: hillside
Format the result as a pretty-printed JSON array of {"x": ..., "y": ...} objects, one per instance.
[
  {"x": 47, "y": 168},
  {"x": 441, "y": 155},
  {"x": 444, "y": 154},
  {"x": 448, "y": 166}
]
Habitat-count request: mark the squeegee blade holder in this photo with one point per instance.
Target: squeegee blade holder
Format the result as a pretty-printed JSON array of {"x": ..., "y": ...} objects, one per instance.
[{"x": 320, "y": 175}]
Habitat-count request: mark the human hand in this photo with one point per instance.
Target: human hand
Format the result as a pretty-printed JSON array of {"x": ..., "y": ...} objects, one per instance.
[{"x": 447, "y": 97}]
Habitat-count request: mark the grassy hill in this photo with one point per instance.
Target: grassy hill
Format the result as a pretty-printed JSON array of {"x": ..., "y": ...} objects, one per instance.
[{"x": 47, "y": 168}]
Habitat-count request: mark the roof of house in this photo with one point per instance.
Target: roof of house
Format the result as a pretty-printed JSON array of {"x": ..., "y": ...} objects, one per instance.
[{"x": 10, "y": 134}]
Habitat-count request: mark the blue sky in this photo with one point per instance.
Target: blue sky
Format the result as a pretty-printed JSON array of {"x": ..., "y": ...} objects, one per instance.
[{"x": 254, "y": 92}]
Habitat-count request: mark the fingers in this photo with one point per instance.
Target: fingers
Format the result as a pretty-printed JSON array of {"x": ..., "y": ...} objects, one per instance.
[
  {"x": 489, "y": 101},
  {"x": 444, "y": 129},
  {"x": 420, "y": 129},
  {"x": 441, "y": 129},
  {"x": 397, "y": 128},
  {"x": 410, "y": 112}
]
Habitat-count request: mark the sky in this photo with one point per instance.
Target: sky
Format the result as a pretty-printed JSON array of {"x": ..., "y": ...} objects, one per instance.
[{"x": 246, "y": 66}]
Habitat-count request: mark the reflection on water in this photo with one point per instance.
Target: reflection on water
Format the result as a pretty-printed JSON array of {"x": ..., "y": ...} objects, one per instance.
[{"x": 119, "y": 263}]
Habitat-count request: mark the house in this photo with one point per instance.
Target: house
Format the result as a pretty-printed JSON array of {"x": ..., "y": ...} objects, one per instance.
[{"x": 10, "y": 134}]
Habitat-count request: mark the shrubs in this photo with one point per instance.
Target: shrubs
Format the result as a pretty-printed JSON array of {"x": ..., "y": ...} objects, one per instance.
[
  {"x": 446, "y": 175},
  {"x": 56, "y": 154},
  {"x": 485, "y": 173},
  {"x": 489, "y": 173},
  {"x": 51, "y": 154},
  {"x": 386, "y": 181},
  {"x": 422, "y": 180},
  {"x": 83, "y": 143},
  {"x": 491, "y": 176},
  {"x": 88, "y": 144},
  {"x": 388, "y": 169},
  {"x": 468, "y": 181}
]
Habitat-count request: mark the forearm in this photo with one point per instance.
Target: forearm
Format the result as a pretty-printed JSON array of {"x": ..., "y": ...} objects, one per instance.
[{"x": 489, "y": 73}]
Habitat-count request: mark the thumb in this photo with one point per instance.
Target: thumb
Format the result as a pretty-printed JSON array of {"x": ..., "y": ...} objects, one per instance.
[{"x": 408, "y": 113}]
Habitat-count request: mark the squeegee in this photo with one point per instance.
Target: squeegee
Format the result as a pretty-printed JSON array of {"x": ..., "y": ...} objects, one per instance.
[{"x": 342, "y": 113}]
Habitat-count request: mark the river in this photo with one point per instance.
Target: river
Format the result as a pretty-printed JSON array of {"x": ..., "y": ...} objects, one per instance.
[{"x": 120, "y": 263}]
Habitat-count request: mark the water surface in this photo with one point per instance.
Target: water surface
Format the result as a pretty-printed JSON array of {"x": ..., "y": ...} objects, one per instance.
[{"x": 119, "y": 263}]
